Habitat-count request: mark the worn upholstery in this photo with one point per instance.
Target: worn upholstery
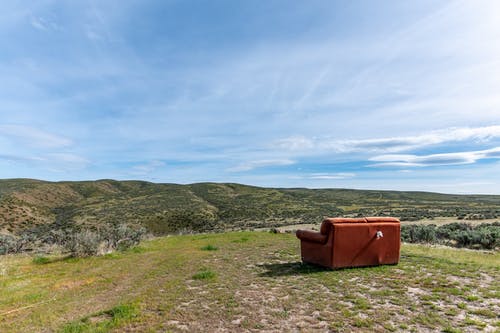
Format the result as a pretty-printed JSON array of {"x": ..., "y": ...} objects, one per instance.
[{"x": 352, "y": 242}]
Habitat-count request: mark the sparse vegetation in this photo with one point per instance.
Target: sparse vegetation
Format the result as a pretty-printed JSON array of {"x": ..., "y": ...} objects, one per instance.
[
  {"x": 8, "y": 244},
  {"x": 209, "y": 247},
  {"x": 77, "y": 243},
  {"x": 204, "y": 274},
  {"x": 37, "y": 207},
  {"x": 482, "y": 236},
  {"x": 103, "y": 321},
  {"x": 255, "y": 284},
  {"x": 41, "y": 260}
]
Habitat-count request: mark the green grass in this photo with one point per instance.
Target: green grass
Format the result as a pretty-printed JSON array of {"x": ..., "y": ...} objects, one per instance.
[
  {"x": 209, "y": 247},
  {"x": 169, "y": 284},
  {"x": 103, "y": 321},
  {"x": 472, "y": 298},
  {"x": 41, "y": 260},
  {"x": 204, "y": 274},
  {"x": 473, "y": 322},
  {"x": 362, "y": 322},
  {"x": 241, "y": 240}
]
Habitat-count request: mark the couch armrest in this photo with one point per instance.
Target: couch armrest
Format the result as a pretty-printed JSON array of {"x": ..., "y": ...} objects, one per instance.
[{"x": 311, "y": 236}]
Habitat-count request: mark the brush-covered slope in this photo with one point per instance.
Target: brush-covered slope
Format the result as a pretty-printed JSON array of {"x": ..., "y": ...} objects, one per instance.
[{"x": 165, "y": 208}]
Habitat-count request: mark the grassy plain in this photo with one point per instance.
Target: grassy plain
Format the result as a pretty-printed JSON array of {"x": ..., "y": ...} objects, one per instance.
[{"x": 244, "y": 282}]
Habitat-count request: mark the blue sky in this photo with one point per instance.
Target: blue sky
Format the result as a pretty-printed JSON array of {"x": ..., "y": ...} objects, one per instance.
[{"x": 354, "y": 94}]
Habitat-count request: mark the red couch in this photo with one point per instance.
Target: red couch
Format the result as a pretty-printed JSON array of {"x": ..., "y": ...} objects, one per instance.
[{"x": 352, "y": 242}]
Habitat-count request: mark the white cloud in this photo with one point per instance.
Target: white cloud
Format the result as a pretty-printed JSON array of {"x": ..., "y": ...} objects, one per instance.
[
  {"x": 68, "y": 158},
  {"x": 294, "y": 143},
  {"x": 33, "y": 137},
  {"x": 398, "y": 84},
  {"x": 18, "y": 158},
  {"x": 468, "y": 157},
  {"x": 63, "y": 162},
  {"x": 391, "y": 144},
  {"x": 38, "y": 23},
  {"x": 54, "y": 162},
  {"x": 43, "y": 23},
  {"x": 247, "y": 166},
  {"x": 340, "y": 175},
  {"x": 145, "y": 169}
]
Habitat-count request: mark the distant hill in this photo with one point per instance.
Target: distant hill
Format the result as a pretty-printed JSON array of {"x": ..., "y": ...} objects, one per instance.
[{"x": 166, "y": 208}]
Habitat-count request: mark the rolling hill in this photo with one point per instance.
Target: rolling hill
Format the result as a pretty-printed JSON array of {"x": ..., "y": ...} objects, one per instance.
[{"x": 27, "y": 204}]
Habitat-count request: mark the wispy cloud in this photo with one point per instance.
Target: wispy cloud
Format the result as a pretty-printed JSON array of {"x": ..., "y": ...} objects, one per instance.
[
  {"x": 68, "y": 158},
  {"x": 96, "y": 28},
  {"x": 295, "y": 143},
  {"x": 314, "y": 85},
  {"x": 44, "y": 23},
  {"x": 63, "y": 162},
  {"x": 435, "y": 159},
  {"x": 147, "y": 168},
  {"x": 18, "y": 158},
  {"x": 392, "y": 144},
  {"x": 247, "y": 166},
  {"x": 34, "y": 137},
  {"x": 55, "y": 162},
  {"x": 339, "y": 175},
  {"x": 243, "y": 102}
]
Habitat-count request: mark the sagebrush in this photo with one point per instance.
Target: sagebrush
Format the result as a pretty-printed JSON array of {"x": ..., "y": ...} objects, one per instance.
[
  {"x": 77, "y": 243},
  {"x": 482, "y": 236}
]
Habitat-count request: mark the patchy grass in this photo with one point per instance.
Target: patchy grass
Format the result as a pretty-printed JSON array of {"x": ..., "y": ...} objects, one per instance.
[
  {"x": 204, "y": 274},
  {"x": 41, "y": 260},
  {"x": 103, "y": 321},
  {"x": 257, "y": 282},
  {"x": 209, "y": 247}
]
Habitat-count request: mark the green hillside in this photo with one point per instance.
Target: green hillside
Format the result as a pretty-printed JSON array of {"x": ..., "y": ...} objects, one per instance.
[
  {"x": 167, "y": 208},
  {"x": 247, "y": 281}
]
